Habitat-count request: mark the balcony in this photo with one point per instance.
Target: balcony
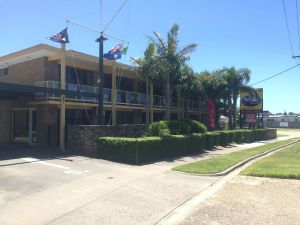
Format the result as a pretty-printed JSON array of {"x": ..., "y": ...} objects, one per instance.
[{"x": 122, "y": 97}]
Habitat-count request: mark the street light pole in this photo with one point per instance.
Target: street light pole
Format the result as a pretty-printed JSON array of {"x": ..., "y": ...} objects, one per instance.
[{"x": 101, "y": 118}]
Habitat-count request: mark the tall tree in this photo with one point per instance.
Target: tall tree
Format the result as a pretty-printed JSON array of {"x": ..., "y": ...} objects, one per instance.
[
  {"x": 149, "y": 68},
  {"x": 236, "y": 81},
  {"x": 214, "y": 88},
  {"x": 188, "y": 86},
  {"x": 171, "y": 60}
]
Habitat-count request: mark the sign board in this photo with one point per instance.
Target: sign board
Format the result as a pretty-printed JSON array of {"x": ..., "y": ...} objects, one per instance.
[
  {"x": 251, "y": 101},
  {"x": 250, "y": 118},
  {"x": 284, "y": 124}
]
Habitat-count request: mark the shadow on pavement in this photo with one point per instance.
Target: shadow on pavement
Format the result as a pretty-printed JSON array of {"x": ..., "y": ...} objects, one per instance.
[{"x": 17, "y": 151}]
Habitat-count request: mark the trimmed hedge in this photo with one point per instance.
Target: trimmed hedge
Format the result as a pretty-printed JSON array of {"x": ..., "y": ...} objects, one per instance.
[
  {"x": 210, "y": 140},
  {"x": 238, "y": 136},
  {"x": 147, "y": 149},
  {"x": 249, "y": 136},
  {"x": 224, "y": 138}
]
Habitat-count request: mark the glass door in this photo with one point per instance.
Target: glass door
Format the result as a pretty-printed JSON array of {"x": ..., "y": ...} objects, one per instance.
[
  {"x": 24, "y": 125},
  {"x": 21, "y": 125}
]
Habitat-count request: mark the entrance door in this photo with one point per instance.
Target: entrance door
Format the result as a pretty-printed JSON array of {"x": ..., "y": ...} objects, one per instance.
[{"x": 24, "y": 125}]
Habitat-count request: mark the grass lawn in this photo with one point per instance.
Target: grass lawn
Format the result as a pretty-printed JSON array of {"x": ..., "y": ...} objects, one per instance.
[
  {"x": 282, "y": 164},
  {"x": 220, "y": 163},
  {"x": 282, "y": 135}
]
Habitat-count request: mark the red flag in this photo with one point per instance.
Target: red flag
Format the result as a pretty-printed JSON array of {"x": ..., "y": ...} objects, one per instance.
[{"x": 211, "y": 110}]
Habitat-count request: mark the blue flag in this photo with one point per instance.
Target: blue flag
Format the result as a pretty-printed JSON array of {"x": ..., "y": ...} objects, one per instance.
[{"x": 61, "y": 37}]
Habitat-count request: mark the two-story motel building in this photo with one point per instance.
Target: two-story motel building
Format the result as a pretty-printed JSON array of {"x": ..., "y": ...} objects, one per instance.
[{"x": 33, "y": 117}]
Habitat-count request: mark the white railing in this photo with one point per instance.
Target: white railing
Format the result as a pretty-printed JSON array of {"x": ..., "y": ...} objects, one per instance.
[{"x": 122, "y": 97}]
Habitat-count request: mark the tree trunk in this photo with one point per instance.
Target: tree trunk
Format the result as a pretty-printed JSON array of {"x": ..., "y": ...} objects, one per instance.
[
  {"x": 230, "y": 113},
  {"x": 185, "y": 105},
  {"x": 168, "y": 98},
  {"x": 234, "y": 111},
  {"x": 147, "y": 101}
]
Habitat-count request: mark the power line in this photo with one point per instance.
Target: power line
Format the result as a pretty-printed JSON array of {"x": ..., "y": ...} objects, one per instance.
[
  {"x": 287, "y": 26},
  {"x": 298, "y": 23},
  {"x": 115, "y": 15},
  {"x": 284, "y": 71}
]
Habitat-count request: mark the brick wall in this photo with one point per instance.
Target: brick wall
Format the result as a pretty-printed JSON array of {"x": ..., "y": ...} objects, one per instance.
[
  {"x": 5, "y": 122},
  {"x": 47, "y": 127},
  {"x": 29, "y": 72}
]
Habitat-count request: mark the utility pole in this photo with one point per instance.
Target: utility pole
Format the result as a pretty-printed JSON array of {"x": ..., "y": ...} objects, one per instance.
[{"x": 101, "y": 117}]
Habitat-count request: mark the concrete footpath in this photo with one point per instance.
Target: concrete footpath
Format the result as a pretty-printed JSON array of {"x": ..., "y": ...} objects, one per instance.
[
  {"x": 250, "y": 200},
  {"x": 79, "y": 190}
]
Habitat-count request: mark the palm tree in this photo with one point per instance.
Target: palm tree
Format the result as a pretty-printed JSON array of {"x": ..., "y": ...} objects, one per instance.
[
  {"x": 148, "y": 67},
  {"x": 237, "y": 80},
  {"x": 188, "y": 86},
  {"x": 171, "y": 60},
  {"x": 214, "y": 88}
]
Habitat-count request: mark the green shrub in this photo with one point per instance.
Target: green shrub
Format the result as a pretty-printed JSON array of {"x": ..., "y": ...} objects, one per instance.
[
  {"x": 197, "y": 127},
  {"x": 210, "y": 140},
  {"x": 231, "y": 136},
  {"x": 239, "y": 136},
  {"x": 216, "y": 138},
  {"x": 179, "y": 127},
  {"x": 260, "y": 134},
  {"x": 159, "y": 128},
  {"x": 177, "y": 145},
  {"x": 195, "y": 143},
  {"x": 186, "y": 126},
  {"x": 141, "y": 150},
  {"x": 224, "y": 138},
  {"x": 249, "y": 136},
  {"x": 151, "y": 149},
  {"x": 117, "y": 149}
]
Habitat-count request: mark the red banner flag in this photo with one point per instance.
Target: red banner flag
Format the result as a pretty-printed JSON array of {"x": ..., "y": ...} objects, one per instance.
[{"x": 211, "y": 110}]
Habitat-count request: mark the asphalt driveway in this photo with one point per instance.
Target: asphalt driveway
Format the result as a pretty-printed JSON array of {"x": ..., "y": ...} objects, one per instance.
[
  {"x": 55, "y": 189},
  {"x": 38, "y": 187}
]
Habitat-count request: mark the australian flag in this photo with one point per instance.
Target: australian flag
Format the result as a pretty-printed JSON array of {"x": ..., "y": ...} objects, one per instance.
[
  {"x": 114, "y": 53},
  {"x": 61, "y": 37}
]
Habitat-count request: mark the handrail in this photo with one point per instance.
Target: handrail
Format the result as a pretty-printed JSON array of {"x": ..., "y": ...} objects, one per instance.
[{"x": 122, "y": 97}]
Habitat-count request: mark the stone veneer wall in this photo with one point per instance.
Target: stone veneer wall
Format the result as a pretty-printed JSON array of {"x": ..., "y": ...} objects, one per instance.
[
  {"x": 271, "y": 133},
  {"x": 83, "y": 138}
]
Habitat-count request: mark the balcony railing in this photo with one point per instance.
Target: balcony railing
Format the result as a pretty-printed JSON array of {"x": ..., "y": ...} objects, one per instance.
[{"x": 122, "y": 97}]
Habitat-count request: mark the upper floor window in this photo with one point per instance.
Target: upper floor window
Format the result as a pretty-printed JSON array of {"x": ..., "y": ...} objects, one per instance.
[{"x": 3, "y": 72}]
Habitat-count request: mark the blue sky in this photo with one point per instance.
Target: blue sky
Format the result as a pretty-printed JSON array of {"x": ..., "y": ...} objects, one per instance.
[{"x": 236, "y": 33}]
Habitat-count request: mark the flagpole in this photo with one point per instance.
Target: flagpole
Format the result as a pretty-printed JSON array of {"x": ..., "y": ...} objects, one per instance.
[
  {"x": 62, "y": 99},
  {"x": 101, "y": 117}
]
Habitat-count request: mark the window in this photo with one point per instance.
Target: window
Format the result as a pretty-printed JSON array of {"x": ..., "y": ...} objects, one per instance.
[{"x": 3, "y": 72}]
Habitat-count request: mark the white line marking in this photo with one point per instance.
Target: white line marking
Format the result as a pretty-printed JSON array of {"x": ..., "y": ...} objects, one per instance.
[
  {"x": 73, "y": 172},
  {"x": 33, "y": 160}
]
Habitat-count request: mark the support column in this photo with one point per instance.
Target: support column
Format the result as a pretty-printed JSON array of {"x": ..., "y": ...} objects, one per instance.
[
  {"x": 151, "y": 102},
  {"x": 113, "y": 95},
  {"x": 62, "y": 99}
]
